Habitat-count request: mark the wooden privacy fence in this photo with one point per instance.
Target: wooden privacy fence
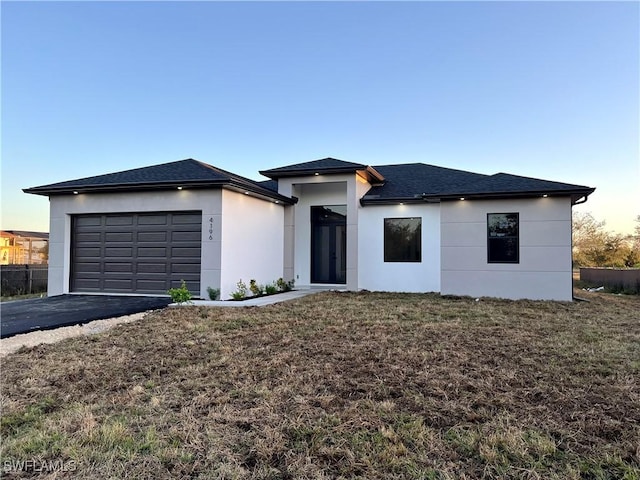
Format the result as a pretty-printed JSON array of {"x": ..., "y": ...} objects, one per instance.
[
  {"x": 623, "y": 279},
  {"x": 23, "y": 279}
]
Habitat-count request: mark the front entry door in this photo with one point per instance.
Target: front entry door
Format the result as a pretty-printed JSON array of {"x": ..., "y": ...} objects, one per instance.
[{"x": 329, "y": 244}]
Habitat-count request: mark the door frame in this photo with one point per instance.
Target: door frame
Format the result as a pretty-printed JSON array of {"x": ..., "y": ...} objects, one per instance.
[{"x": 339, "y": 220}]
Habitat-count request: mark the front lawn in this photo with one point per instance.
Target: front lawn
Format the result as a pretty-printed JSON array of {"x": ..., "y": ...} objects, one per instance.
[{"x": 336, "y": 385}]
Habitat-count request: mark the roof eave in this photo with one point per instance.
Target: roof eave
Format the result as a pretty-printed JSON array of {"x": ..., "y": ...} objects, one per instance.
[
  {"x": 111, "y": 188},
  {"x": 306, "y": 172},
  {"x": 260, "y": 192},
  {"x": 364, "y": 201},
  {"x": 576, "y": 195},
  {"x": 372, "y": 176},
  {"x": 256, "y": 190}
]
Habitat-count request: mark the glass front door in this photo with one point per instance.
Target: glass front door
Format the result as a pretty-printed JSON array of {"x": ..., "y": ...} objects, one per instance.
[{"x": 329, "y": 244}]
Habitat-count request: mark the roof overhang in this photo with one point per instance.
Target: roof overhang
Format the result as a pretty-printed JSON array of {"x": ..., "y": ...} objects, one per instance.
[
  {"x": 253, "y": 190},
  {"x": 577, "y": 196},
  {"x": 367, "y": 172}
]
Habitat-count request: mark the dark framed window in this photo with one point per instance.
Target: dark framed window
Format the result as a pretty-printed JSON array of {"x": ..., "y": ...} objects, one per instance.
[
  {"x": 403, "y": 239},
  {"x": 503, "y": 238}
]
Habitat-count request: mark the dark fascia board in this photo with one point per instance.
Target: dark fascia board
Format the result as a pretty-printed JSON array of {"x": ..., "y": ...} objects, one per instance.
[
  {"x": 305, "y": 172},
  {"x": 263, "y": 193},
  {"x": 370, "y": 173},
  {"x": 373, "y": 176},
  {"x": 376, "y": 200},
  {"x": 155, "y": 186},
  {"x": 576, "y": 196}
]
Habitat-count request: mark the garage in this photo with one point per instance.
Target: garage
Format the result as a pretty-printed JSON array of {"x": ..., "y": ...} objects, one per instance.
[{"x": 139, "y": 253}]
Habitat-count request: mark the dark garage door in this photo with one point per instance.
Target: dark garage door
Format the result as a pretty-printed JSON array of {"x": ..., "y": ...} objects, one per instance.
[{"x": 136, "y": 252}]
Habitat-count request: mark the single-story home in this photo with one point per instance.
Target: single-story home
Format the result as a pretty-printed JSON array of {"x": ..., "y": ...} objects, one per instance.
[{"x": 327, "y": 223}]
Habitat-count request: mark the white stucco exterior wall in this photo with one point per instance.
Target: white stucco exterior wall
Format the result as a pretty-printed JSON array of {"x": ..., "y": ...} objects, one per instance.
[
  {"x": 376, "y": 274},
  {"x": 64, "y": 206},
  {"x": 252, "y": 241},
  {"x": 333, "y": 193},
  {"x": 316, "y": 190},
  {"x": 544, "y": 270}
]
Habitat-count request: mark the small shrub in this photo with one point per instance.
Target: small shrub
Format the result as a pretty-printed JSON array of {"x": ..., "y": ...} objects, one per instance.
[
  {"x": 271, "y": 288},
  {"x": 241, "y": 291},
  {"x": 255, "y": 288},
  {"x": 214, "y": 293},
  {"x": 285, "y": 286},
  {"x": 180, "y": 295}
]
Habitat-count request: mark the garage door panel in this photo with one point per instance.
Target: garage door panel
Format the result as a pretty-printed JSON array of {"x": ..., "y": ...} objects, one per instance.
[
  {"x": 136, "y": 252},
  {"x": 118, "y": 284},
  {"x": 92, "y": 282},
  {"x": 152, "y": 236},
  {"x": 176, "y": 282},
  {"x": 185, "y": 252},
  {"x": 87, "y": 237},
  {"x": 88, "y": 252},
  {"x": 88, "y": 267},
  {"x": 186, "y": 261},
  {"x": 193, "y": 219},
  {"x": 185, "y": 236},
  {"x": 89, "y": 221},
  {"x": 155, "y": 268},
  {"x": 118, "y": 267},
  {"x": 185, "y": 268},
  {"x": 152, "y": 220},
  {"x": 155, "y": 252},
  {"x": 151, "y": 285},
  {"x": 112, "y": 237},
  {"x": 118, "y": 252},
  {"x": 119, "y": 220}
]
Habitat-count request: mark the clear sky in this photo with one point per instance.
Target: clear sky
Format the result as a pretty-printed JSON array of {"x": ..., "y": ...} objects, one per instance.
[{"x": 542, "y": 89}]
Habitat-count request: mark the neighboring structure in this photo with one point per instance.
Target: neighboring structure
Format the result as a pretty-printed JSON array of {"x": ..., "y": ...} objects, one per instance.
[
  {"x": 409, "y": 228},
  {"x": 19, "y": 247}
]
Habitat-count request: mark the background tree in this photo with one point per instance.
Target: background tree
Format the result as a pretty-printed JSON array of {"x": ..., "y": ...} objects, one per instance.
[{"x": 594, "y": 246}]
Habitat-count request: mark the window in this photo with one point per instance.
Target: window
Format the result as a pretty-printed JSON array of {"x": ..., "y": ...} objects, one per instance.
[
  {"x": 403, "y": 239},
  {"x": 503, "y": 243}
]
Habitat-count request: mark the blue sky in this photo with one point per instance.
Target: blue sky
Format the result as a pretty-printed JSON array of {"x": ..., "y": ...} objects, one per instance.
[{"x": 542, "y": 89}]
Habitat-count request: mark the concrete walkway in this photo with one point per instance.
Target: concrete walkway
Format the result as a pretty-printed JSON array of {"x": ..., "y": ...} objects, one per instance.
[{"x": 251, "y": 302}]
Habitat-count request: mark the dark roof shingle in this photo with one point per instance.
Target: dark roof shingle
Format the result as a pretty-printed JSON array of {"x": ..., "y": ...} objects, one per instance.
[
  {"x": 415, "y": 179},
  {"x": 323, "y": 166},
  {"x": 185, "y": 173},
  {"x": 418, "y": 181},
  {"x": 391, "y": 183}
]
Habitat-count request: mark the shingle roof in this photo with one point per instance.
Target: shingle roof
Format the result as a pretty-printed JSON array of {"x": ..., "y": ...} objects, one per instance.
[
  {"x": 413, "y": 182},
  {"x": 505, "y": 183},
  {"x": 419, "y": 182},
  {"x": 323, "y": 166},
  {"x": 185, "y": 173},
  {"x": 414, "y": 179},
  {"x": 269, "y": 184}
]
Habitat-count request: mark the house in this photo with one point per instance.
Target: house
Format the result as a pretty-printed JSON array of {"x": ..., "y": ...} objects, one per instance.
[
  {"x": 406, "y": 228},
  {"x": 24, "y": 248}
]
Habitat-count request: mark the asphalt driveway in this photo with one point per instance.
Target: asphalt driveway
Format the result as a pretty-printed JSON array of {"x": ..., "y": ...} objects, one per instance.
[{"x": 23, "y": 316}]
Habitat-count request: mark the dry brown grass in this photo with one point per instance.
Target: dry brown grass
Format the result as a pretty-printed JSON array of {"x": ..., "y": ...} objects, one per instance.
[{"x": 337, "y": 385}]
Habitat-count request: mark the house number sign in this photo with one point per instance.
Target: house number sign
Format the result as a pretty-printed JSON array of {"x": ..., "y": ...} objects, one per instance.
[{"x": 211, "y": 232}]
